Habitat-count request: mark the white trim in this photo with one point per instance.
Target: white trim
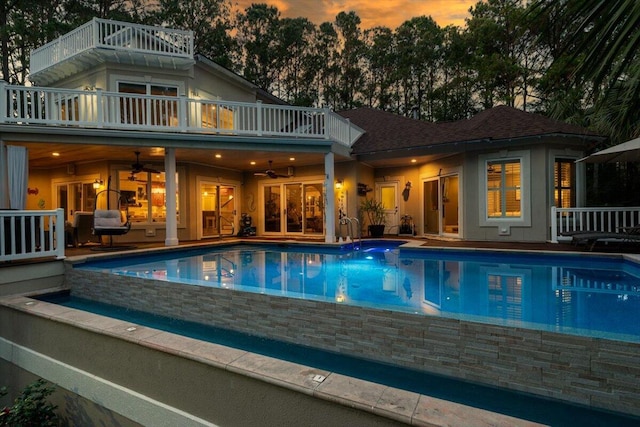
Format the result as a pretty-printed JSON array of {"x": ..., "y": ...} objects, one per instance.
[
  {"x": 147, "y": 81},
  {"x": 524, "y": 220},
  {"x": 126, "y": 402},
  {"x": 580, "y": 184},
  {"x": 218, "y": 182},
  {"x": 448, "y": 172}
]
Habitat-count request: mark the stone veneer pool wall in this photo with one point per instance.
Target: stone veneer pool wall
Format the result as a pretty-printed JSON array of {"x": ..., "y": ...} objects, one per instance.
[{"x": 590, "y": 371}]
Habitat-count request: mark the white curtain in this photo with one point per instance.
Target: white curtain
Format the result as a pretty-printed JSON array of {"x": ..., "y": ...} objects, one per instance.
[{"x": 18, "y": 176}]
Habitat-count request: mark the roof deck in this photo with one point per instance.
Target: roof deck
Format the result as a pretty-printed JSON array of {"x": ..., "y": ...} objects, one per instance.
[{"x": 101, "y": 40}]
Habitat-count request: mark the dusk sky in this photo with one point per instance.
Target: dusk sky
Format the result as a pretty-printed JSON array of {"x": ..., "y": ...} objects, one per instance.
[{"x": 389, "y": 13}]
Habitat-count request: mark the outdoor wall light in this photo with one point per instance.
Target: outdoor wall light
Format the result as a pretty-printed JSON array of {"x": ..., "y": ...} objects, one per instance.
[
  {"x": 97, "y": 184},
  {"x": 339, "y": 184},
  {"x": 407, "y": 186}
]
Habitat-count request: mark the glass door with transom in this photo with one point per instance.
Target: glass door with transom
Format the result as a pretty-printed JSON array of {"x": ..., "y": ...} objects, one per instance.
[
  {"x": 293, "y": 208},
  {"x": 218, "y": 207},
  {"x": 441, "y": 205}
]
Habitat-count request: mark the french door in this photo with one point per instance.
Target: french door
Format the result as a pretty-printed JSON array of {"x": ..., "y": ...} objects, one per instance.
[
  {"x": 74, "y": 196},
  {"x": 441, "y": 205},
  {"x": 293, "y": 208},
  {"x": 218, "y": 209}
]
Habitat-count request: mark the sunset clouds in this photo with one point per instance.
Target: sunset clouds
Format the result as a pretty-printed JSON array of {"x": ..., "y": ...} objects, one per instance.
[{"x": 388, "y": 13}]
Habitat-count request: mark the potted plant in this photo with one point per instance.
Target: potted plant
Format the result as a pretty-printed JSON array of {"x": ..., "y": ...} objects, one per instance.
[{"x": 376, "y": 216}]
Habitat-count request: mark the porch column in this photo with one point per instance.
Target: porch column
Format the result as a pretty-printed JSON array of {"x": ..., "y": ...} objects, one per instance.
[
  {"x": 171, "y": 238},
  {"x": 330, "y": 206}
]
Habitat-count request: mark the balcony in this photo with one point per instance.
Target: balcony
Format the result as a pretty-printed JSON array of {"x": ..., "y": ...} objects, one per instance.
[
  {"x": 97, "y": 109},
  {"x": 101, "y": 40}
]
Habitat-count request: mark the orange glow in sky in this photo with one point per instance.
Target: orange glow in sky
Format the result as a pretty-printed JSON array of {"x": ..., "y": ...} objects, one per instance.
[{"x": 388, "y": 13}]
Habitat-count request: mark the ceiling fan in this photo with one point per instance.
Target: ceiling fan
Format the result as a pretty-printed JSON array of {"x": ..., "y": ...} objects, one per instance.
[
  {"x": 138, "y": 167},
  {"x": 271, "y": 173}
]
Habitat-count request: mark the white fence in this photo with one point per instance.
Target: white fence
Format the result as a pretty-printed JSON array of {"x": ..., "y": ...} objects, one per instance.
[
  {"x": 568, "y": 221},
  {"x": 113, "y": 110},
  {"x": 31, "y": 234},
  {"x": 102, "y": 33}
]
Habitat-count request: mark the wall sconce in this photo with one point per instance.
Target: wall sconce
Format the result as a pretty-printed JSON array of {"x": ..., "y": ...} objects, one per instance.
[
  {"x": 406, "y": 191},
  {"x": 97, "y": 184},
  {"x": 339, "y": 184}
]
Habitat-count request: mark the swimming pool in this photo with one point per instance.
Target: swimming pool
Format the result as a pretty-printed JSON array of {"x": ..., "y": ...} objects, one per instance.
[
  {"x": 563, "y": 293},
  {"x": 496, "y": 337}
]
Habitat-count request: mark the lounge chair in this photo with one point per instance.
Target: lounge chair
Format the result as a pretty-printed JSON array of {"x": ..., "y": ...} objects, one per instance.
[{"x": 590, "y": 238}]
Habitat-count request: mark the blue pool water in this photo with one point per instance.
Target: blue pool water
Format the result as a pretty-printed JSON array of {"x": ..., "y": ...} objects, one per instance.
[{"x": 592, "y": 296}]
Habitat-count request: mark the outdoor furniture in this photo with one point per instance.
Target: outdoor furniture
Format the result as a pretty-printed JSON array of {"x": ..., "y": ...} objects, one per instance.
[
  {"x": 111, "y": 222},
  {"x": 82, "y": 224},
  {"x": 591, "y": 238}
]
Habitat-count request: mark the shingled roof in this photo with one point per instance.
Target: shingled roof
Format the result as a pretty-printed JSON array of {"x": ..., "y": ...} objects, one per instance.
[{"x": 387, "y": 131}]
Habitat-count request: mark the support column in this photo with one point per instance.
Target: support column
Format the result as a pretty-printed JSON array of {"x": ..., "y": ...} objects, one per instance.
[
  {"x": 330, "y": 206},
  {"x": 171, "y": 237}
]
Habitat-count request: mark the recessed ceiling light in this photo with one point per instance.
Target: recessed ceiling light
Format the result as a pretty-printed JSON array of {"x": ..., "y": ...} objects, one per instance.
[
  {"x": 413, "y": 160},
  {"x": 55, "y": 154},
  {"x": 292, "y": 158},
  {"x": 253, "y": 163},
  {"x": 218, "y": 156}
]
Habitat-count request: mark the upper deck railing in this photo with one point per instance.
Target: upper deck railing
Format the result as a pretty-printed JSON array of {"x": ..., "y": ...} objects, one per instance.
[
  {"x": 125, "y": 111},
  {"x": 102, "y": 33}
]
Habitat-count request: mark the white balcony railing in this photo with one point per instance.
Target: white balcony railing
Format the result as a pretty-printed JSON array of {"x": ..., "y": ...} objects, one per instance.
[
  {"x": 31, "y": 234},
  {"x": 99, "y": 109},
  {"x": 101, "y": 33},
  {"x": 568, "y": 221}
]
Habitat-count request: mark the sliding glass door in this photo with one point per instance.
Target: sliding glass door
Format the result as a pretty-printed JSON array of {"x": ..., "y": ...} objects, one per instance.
[{"x": 293, "y": 208}]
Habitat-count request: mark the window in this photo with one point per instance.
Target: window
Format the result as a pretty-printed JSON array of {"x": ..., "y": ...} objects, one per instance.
[
  {"x": 138, "y": 109},
  {"x": 564, "y": 178},
  {"x": 69, "y": 109},
  {"x": 503, "y": 180},
  {"x": 145, "y": 196},
  {"x": 216, "y": 116}
]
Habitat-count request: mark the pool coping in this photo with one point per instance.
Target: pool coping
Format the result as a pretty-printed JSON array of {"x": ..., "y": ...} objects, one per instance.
[{"x": 388, "y": 402}]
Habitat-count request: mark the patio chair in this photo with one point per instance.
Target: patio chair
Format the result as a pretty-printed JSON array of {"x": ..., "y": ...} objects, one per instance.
[
  {"x": 82, "y": 228},
  {"x": 591, "y": 238},
  {"x": 111, "y": 222}
]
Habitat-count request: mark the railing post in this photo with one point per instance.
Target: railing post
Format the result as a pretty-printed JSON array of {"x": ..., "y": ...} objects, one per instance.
[
  {"x": 554, "y": 224},
  {"x": 327, "y": 124},
  {"x": 96, "y": 32},
  {"x": 182, "y": 114},
  {"x": 3, "y": 101},
  {"x": 99, "y": 108},
  {"x": 259, "y": 117},
  {"x": 60, "y": 244}
]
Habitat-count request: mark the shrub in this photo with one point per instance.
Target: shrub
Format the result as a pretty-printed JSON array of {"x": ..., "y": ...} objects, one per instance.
[{"x": 31, "y": 408}]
